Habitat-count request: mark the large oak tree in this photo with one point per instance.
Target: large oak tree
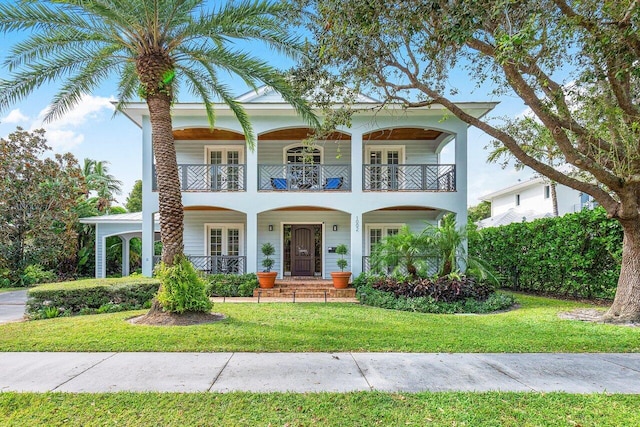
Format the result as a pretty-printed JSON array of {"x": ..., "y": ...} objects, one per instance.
[{"x": 575, "y": 64}]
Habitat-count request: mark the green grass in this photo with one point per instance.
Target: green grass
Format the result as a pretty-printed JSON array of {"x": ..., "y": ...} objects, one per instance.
[
  {"x": 349, "y": 409},
  {"x": 270, "y": 327}
]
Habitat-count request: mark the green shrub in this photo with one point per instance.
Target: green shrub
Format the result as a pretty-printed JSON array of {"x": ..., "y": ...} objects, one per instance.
[
  {"x": 388, "y": 293},
  {"x": 182, "y": 288},
  {"x": 576, "y": 255},
  {"x": 87, "y": 296},
  {"x": 34, "y": 274},
  {"x": 231, "y": 285}
]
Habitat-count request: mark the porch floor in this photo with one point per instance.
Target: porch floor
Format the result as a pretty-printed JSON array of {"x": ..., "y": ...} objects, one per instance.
[{"x": 304, "y": 288}]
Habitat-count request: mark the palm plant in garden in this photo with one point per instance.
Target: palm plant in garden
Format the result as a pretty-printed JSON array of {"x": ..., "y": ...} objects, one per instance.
[
  {"x": 402, "y": 251},
  {"x": 153, "y": 48}
]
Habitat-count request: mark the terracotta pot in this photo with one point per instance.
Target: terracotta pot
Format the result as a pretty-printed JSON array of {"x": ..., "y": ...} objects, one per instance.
[
  {"x": 267, "y": 278},
  {"x": 340, "y": 279}
]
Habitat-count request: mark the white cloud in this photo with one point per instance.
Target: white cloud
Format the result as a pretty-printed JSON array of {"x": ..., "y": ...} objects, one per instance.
[
  {"x": 14, "y": 117},
  {"x": 63, "y": 140},
  {"x": 63, "y": 134}
]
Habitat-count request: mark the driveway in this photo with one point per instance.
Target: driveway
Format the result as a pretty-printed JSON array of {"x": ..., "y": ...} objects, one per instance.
[{"x": 12, "y": 305}]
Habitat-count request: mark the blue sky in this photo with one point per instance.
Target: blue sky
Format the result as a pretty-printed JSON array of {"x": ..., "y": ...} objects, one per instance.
[{"x": 92, "y": 131}]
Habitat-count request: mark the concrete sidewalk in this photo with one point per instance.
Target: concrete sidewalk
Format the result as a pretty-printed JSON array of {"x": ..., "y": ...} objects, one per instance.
[{"x": 316, "y": 372}]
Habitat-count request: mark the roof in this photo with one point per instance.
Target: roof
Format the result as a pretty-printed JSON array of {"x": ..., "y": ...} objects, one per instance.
[
  {"x": 513, "y": 188},
  {"x": 510, "y": 216},
  {"x": 266, "y": 101},
  {"x": 125, "y": 218}
]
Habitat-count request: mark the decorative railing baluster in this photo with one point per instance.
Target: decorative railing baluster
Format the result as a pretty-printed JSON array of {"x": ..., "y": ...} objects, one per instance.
[
  {"x": 419, "y": 177},
  {"x": 210, "y": 178}
]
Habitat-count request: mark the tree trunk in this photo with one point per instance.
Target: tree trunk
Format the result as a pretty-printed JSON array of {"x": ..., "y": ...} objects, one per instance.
[
  {"x": 626, "y": 304},
  {"x": 554, "y": 197},
  {"x": 170, "y": 197}
]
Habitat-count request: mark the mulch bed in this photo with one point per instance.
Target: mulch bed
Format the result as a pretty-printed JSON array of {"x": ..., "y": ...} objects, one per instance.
[{"x": 161, "y": 318}]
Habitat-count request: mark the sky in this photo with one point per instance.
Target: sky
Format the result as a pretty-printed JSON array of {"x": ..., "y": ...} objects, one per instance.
[{"x": 91, "y": 130}]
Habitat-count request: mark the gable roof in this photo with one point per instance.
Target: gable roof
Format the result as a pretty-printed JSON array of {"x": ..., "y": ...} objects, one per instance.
[{"x": 266, "y": 94}]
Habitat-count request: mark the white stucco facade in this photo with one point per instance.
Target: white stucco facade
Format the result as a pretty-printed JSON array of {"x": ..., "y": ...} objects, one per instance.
[
  {"x": 531, "y": 199},
  {"x": 383, "y": 172}
]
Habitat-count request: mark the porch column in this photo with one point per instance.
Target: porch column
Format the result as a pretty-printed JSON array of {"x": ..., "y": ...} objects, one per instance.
[
  {"x": 355, "y": 248},
  {"x": 251, "y": 251},
  {"x": 461, "y": 182},
  {"x": 100, "y": 254},
  {"x": 148, "y": 236},
  {"x": 252, "y": 170},
  {"x": 125, "y": 255},
  {"x": 356, "y": 161}
]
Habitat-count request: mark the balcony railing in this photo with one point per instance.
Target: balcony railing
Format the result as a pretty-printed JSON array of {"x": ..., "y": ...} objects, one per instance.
[
  {"x": 304, "y": 177},
  {"x": 427, "y": 265},
  {"x": 224, "y": 264},
  {"x": 409, "y": 178},
  {"x": 209, "y": 178}
]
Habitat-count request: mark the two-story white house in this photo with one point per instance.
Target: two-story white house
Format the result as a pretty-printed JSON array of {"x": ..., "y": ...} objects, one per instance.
[
  {"x": 362, "y": 184},
  {"x": 531, "y": 199}
]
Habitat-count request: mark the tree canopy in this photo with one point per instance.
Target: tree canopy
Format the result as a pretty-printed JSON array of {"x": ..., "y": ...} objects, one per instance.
[{"x": 573, "y": 63}]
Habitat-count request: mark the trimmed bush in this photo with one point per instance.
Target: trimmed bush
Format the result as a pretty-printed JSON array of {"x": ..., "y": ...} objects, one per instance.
[
  {"x": 454, "y": 295},
  {"x": 231, "y": 285},
  {"x": 576, "y": 255},
  {"x": 182, "y": 288},
  {"x": 89, "y": 296}
]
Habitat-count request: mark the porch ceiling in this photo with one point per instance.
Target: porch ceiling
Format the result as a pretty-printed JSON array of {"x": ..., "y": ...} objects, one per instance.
[
  {"x": 298, "y": 134},
  {"x": 206, "y": 134},
  {"x": 407, "y": 208},
  {"x": 403, "y": 134}
]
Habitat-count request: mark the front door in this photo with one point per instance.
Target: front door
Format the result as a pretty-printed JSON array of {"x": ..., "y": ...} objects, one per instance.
[{"x": 302, "y": 250}]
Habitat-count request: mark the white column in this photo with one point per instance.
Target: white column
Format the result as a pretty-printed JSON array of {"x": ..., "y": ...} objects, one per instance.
[
  {"x": 148, "y": 235},
  {"x": 251, "y": 250},
  {"x": 149, "y": 203},
  {"x": 125, "y": 255},
  {"x": 103, "y": 257},
  {"x": 99, "y": 254},
  {"x": 355, "y": 248},
  {"x": 252, "y": 170},
  {"x": 461, "y": 181},
  {"x": 356, "y": 161}
]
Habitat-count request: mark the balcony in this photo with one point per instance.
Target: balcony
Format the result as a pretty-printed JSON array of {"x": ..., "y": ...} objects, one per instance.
[
  {"x": 439, "y": 178},
  {"x": 223, "y": 264},
  {"x": 304, "y": 177},
  {"x": 211, "y": 178}
]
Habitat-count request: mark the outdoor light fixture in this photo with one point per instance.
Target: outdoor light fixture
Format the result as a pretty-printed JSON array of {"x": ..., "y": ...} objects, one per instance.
[
  {"x": 335, "y": 228},
  {"x": 270, "y": 227}
]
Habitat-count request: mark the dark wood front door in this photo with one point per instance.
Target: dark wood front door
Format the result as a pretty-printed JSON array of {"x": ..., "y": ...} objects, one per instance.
[{"x": 302, "y": 250}]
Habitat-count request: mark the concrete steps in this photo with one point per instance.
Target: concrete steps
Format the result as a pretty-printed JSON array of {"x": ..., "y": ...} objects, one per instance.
[{"x": 304, "y": 288}]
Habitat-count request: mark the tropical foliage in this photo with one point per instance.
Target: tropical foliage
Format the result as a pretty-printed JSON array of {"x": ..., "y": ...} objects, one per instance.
[
  {"x": 37, "y": 215},
  {"x": 576, "y": 255},
  {"x": 134, "y": 199},
  {"x": 182, "y": 289},
  {"x": 154, "y": 49}
]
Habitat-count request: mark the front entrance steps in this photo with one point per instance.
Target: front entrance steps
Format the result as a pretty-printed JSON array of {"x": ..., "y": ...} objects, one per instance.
[{"x": 304, "y": 288}]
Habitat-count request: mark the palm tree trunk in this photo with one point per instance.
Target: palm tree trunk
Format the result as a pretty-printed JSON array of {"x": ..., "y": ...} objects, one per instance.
[
  {"x": 170, "y": 198},
  {"x": 626, "y": 304},
  {"x": 554, "y": 197}
]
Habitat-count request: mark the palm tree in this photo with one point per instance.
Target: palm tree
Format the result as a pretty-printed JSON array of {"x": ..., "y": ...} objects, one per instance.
[
  {"x": 98, "y": 179},
  {"x": 154, "y": 47}
]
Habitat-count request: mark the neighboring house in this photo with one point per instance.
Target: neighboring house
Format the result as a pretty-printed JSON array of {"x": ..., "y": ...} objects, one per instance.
[
  {"x": 355, "y": 188},
  {"x": 529, "y": 200}
]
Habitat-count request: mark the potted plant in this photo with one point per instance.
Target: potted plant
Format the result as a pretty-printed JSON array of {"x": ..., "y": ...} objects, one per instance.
[
  {"x": 267, "y": 278},
  {"x": 341, "y": 278}
]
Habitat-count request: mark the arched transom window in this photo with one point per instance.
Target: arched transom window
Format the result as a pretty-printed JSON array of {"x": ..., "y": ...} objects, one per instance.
[{"x": 303, "y": 154}]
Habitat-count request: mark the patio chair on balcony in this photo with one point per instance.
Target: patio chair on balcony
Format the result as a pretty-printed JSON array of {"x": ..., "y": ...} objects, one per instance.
[
  {"x": 333, "y": 183},
  {"x": 279, "y": 183}
]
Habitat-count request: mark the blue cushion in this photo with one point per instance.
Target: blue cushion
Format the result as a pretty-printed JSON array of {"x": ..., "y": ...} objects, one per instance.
[
  {"x": 333, "y": 183},
  {"x": 279, "y": 183}
]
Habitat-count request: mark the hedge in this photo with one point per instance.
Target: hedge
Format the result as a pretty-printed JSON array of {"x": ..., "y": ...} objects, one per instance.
[
  {"x": 576, "y": 255},
  {"x": 91, "y": 296},
  {"x": 231, "y": 285}
]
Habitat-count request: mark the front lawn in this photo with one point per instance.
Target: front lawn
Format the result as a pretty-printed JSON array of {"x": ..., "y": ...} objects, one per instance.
[
  {"x": 333, "y": 409},
  {"x": 318, "y": 327}
]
